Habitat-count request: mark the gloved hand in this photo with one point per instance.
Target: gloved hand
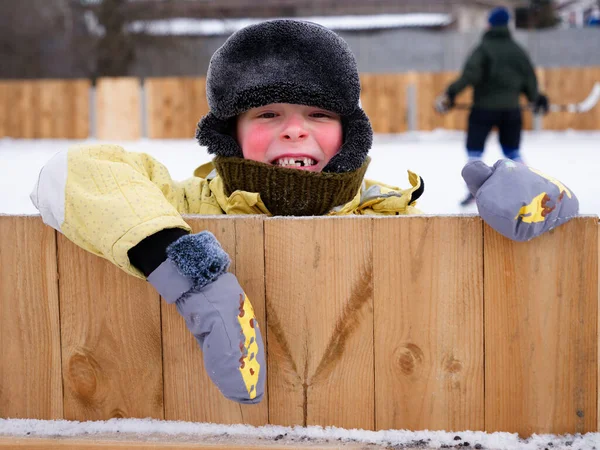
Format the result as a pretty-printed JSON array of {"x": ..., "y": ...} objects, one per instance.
[
  {"x": 517, "y": 201},
  {"x": 217, "y": 312},
  {"x": 444, "y": 103},
  {"x": 541, "y": 104}
]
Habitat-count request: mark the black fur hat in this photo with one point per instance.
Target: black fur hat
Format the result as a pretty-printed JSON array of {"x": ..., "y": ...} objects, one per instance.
[{"x": 285, "y": 61}]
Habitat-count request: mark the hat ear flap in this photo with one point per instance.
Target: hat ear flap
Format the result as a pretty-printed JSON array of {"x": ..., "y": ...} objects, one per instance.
[
  {"x": 218, "y": 135},
  {"x": 358, "y": 138}
]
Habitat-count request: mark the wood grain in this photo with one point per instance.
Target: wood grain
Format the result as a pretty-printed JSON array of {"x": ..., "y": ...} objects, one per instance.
[
  {"x": 111, "y": 341},
  {"x": 30, "y": 372},
  {"x": 4, "y": 105},
  {"x": 541, "y": 312},
  {"x": 384, "y": 100},
  {"x": 45, "y": 109},
  {"x": 320, "y": 321},
  {"x": 428, "y": 323},
  {"x": 175, "y": 105},
  {"x": 118, "y": 109}
]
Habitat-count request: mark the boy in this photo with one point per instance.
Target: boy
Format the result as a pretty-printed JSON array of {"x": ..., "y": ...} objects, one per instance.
[{"x": 290, "y": 139}]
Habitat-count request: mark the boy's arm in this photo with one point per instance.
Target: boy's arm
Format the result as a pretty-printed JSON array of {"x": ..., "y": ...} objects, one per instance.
[
  {"x": 119, "y": 205},
  {"x": 107, "y": 200},
  {"x": 517, "y": 201}
]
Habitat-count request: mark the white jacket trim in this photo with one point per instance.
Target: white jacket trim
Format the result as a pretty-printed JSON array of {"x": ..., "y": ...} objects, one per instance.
[{"x": 48, "y": 194}]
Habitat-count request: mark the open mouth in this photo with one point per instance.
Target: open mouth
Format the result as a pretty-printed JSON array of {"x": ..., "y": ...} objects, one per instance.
[{"x": 294, "y": 162}]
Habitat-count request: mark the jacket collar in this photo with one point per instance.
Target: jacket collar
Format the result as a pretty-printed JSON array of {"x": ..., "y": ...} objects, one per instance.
[{"x": 498, "y": 32}]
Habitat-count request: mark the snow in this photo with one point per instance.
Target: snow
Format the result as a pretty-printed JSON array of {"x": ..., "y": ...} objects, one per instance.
[
  {"x": 166, "y": 430},
  {"x": 215, "y": 27},
  {"x": 571, "y": 156},
  {"x": 207, "y": 27}
]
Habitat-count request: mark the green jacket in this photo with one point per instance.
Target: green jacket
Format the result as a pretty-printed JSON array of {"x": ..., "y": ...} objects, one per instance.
[{"x": 499, "y": 71}]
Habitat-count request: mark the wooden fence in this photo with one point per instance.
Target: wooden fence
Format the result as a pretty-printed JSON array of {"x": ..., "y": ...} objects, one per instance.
[
  {"x": 172, "y": 106},
  {"x": 374, "y": 323}
]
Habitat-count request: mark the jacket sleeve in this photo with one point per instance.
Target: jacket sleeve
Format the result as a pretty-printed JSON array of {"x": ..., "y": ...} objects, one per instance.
[
  {"x": 471, "y": 74},
  {"x": 107, "y": 200},
  {"x": 530, "y": 84}
]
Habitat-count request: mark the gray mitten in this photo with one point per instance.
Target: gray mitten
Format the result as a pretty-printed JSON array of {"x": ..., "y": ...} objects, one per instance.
[
  {"x": 217, "y": 312},
  {"x": 518, "y": 201}
]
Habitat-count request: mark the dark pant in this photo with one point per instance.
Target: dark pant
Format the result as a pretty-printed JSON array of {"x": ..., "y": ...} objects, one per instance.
[{"x": 481, "y": 122}]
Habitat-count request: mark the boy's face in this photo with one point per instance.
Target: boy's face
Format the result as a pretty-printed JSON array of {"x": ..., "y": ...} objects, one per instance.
[{"x": 294, "y": 136}]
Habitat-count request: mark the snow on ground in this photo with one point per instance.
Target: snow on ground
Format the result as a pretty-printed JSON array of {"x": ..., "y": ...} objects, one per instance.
[
  {"x": 438, "y": 156},
  {"x": 149, "y": 429}
]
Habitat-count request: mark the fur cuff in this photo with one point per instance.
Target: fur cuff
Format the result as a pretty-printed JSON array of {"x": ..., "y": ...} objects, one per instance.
[{"x": 199, "y": 257}]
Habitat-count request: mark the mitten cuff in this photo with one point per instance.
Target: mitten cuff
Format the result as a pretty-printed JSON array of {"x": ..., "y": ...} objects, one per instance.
[{"x": 199, "y": 258}]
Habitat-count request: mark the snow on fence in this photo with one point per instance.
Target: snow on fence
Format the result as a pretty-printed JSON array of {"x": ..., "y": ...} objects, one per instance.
[
  {"x": 413, "y": 323},
  {"x": 126, "y": 108}
]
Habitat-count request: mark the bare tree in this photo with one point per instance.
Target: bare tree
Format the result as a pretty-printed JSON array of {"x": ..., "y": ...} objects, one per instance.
[
  {"x": 29, "y": 29},
  {"x": 115, "y": 50}
]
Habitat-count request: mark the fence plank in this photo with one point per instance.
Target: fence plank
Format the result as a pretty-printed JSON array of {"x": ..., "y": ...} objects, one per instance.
[
  {"x": 429, "y": 86},
  {"x": 383, "y": 97},
  {"x": 428, "y": 305},
  {"x": 189, "y": 393},
  {"x": 45, "y": 109},
  {"x": 571, "y": 85},
  {"x": 4, "y": 105},
  {"x": 250, "y": 271},
  {"x": 589, "y": 120},
  {"x": 79, "y": 93},
  {"x": 30, "y": 375},
  {"x": 15, "y": 109},
  {"x": 70, "y": 108},
  {"x": 320, "y": 321},
  {"x": 110, "y": 328},
  {"x": 118, "y": 109},
  {"x": 175, "y": 105},
  {"x": 368, "y": 98},
  {"x": 27, "y": 105},
  {"x": 541, "y": 310}
]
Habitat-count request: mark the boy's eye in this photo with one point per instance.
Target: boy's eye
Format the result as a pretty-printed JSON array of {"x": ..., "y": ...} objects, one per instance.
[
  {"x": 267, "y": 115},
  {"x": 320, "y": 115}
]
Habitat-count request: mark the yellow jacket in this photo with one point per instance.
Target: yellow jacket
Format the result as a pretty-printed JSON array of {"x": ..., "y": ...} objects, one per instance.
[{"x": 106, "y": 200}]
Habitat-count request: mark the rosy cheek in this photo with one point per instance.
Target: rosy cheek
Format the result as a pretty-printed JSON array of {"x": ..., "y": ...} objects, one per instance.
[
  {"x": 330, "y": 139},
  {"x": 255, "y": 140}
]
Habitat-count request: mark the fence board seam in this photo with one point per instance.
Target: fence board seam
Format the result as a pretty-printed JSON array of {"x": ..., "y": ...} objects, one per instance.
[
  {"x": 62, "y": 375},
  {"x": 375, "y": 415},
  {"x": 266, "y": 325},
  {"x": 484, "y": 330}
]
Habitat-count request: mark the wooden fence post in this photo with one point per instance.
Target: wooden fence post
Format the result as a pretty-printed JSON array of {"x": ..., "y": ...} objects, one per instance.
[
  {"x": 541, "y": 331},
  {"x": 118, "y": 109},
  {"x": 30, "y": 370}
]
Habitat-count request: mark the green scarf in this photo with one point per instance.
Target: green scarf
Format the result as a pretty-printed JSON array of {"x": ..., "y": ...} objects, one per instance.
[{"x": 290, "y": 192}]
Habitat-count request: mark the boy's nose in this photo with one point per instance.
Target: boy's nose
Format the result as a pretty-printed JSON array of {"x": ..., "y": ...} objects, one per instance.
[{"x": 294, "y": 130}]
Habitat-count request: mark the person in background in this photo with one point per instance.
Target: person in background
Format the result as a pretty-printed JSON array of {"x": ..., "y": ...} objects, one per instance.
[{"x": 499, "y": 70}]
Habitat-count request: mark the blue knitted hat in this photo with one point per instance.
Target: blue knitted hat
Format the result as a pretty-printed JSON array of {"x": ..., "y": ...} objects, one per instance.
[{"x": 499, "y": 16}]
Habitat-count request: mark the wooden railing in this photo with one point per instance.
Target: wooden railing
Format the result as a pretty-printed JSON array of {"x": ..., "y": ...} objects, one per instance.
[
  {"x": 374, "y": 323},
  {"x": 124, "y": 108}
]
